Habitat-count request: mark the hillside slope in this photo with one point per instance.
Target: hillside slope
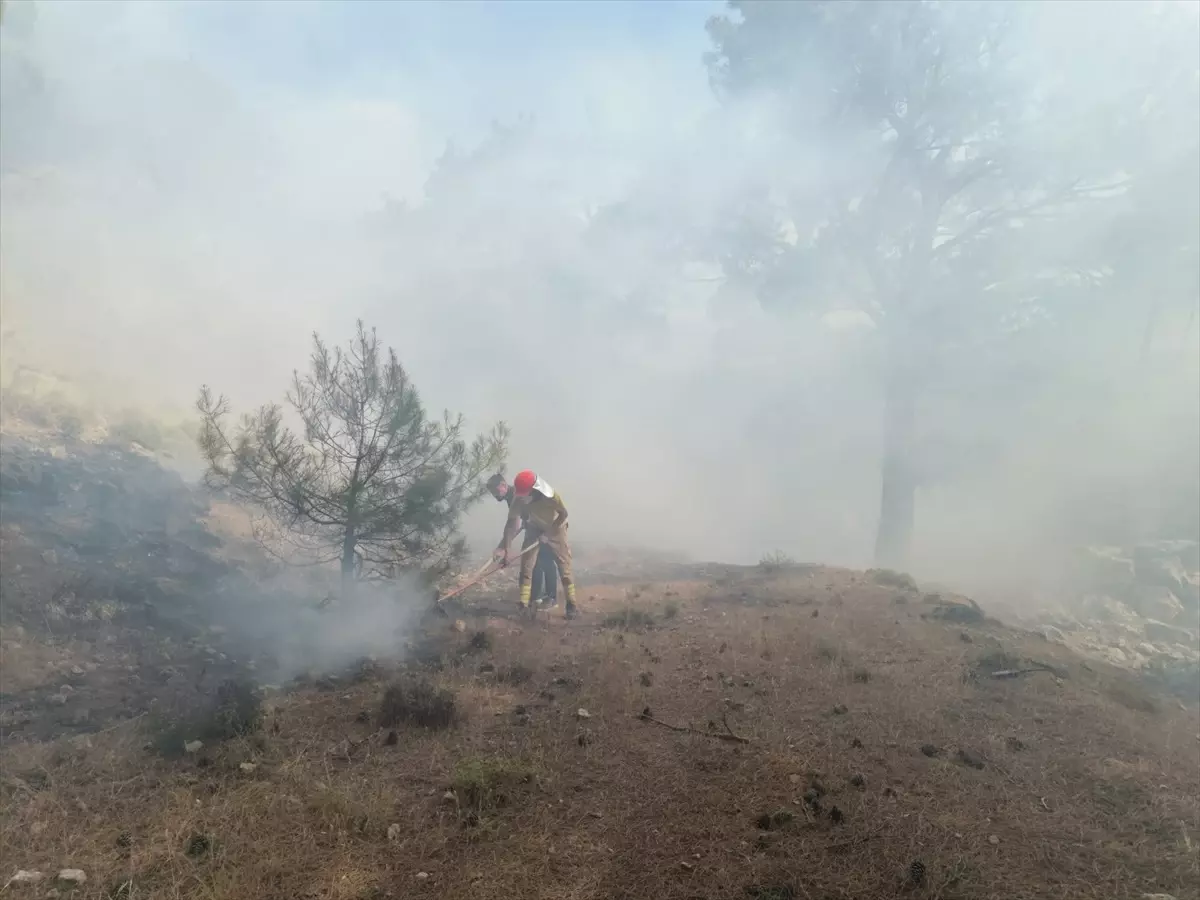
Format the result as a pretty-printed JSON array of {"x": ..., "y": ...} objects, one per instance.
[{"x": 719, "y": 733}]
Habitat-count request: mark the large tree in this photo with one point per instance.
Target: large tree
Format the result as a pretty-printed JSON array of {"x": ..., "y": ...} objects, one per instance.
[
  {"x": 370, "y": 482},
  {"x": 932, "y": 155}
]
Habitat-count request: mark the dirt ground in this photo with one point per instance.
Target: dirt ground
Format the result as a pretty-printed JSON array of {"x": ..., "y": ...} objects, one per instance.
[{"x": 802, "y": 733}]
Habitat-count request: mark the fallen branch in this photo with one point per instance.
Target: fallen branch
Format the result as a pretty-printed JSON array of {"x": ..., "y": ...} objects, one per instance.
[
  {"x": 854, "y": 842},
  {"x": 688, "y": 729},
  {"x": 1013, "y": 673}
]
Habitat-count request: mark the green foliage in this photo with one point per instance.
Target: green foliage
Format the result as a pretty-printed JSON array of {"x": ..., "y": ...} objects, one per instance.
[{"x": 370, "y": 480}]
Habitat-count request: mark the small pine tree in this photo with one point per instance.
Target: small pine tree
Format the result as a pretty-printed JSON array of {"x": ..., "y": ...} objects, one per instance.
[{"x": 370, "y": 482}]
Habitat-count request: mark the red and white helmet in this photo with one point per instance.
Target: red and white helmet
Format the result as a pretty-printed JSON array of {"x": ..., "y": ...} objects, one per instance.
[
  {"x": 527, "y": 481},
  {"x": 524, "y": 483}
]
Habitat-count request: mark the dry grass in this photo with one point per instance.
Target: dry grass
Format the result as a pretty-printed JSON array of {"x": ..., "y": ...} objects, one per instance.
[{"x": 1080, "y": 794}]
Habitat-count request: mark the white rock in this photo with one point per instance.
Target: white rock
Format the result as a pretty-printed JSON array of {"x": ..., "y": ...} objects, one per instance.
[
  {"x": 993, "y": 839},
  {"x": 1053, "y": 634},
  {"x": 247, "y": 766},
  {"x": 1167, "y": 633},
  {"x": 421, "y": 876},
  {"x": 583, "y": 713},
  {"x": 72, "y": 876},
  {"x": 193, "y": 746},
  {"x": 393, "y": 832},
  {"x": 26, "y": 877},
  {"x": 450, "y": 797}
]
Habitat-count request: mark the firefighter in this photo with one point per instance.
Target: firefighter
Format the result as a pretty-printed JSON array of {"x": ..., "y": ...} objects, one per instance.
[
  {"x": 545, "y": 518},
  {"x": 545, "y": 570}
]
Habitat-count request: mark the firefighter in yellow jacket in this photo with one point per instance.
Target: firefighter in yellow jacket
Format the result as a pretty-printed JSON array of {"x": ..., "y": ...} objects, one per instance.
[{"x": 545, "y": 518}]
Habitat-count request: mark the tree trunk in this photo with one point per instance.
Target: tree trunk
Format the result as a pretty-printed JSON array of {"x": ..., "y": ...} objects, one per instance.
[
  {"x": 898, "y": 498},
  {"x": 349, "y": 542}
]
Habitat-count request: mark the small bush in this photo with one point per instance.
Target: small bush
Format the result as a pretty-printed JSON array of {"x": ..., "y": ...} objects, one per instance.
[
  {"x": 167, "y": 736},
  {"x": 198, "y": 844},
  {"x": 480, "y": 641},
  {"x": 486, "y": 784},
  {"x": 773, "y": 821},
  {"x": 891, "y": 578},
  {"x": 417, "y": 702},
  {"x": 238, "y": 711},
  {"x": 630, "y": 619},
  {"x": 861, "y": 676},
  {"x": 776, "y": 561},
  {"x": 671, "y": 610}
]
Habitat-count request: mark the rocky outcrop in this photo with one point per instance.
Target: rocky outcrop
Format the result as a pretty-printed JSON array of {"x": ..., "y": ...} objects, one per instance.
[
  {"x": 1136, "y": 607},
  {"x": 1159, "y": 580}
]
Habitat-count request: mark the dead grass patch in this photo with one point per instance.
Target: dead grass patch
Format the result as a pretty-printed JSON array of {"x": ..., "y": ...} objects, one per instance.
[
  {"x": 1095, "y": 805},
  {"x": 483, "y": 785},
  {"x": 629, "y": 619},
  {"x": 517, "y": 674},
  {"x": 893, "y": 579},
  {"x": 1131, "y": 695}
]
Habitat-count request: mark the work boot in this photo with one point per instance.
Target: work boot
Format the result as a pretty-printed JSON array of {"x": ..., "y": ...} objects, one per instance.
[
  {"x": 526, "y": 591},
  {"x": 572, "y": 610}
]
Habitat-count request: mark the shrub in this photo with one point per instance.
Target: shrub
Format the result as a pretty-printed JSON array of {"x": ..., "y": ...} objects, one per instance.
[
  {"x": 235, "y": 711},
  {"x": 486, "y": 784},
  {"x": 480, "y": 641},
  {"x": 417, "y": 702},
  {"x": 776, "y": 561},
  {"x": 238, "y": 711}
]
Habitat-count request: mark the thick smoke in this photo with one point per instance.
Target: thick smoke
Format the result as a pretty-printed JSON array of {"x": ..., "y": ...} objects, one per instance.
[{"x": 528, "y": 201}]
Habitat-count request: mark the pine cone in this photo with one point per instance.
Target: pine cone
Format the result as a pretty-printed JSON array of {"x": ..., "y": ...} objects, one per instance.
[{"x": 916, "y": 872}]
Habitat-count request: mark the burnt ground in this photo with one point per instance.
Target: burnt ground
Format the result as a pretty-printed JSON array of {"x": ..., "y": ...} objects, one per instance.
[
  {"x": 843, "y": 736},
  {"x": 111, "y": 588}
]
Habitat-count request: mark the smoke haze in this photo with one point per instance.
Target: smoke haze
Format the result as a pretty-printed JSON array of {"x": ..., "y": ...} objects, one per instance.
[{"x": 528, "y": 201}]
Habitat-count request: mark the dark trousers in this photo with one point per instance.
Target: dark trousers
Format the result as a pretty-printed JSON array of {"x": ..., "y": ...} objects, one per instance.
[{"x": 545, "y": 575}]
